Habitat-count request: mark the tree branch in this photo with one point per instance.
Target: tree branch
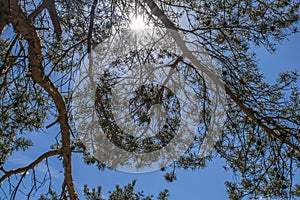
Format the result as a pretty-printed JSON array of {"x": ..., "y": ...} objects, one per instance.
[
  {"x": 50, "y": 5},
  {"x": 7, "y": 174},
  {"x": 91, "y": 27},
  {"x": 3, "y": 22},
  {"x": 5, "y": 19},
  {"x": 38, "y": 10},
  {"x": 4, "y": 16},
  {"x": 22, "y": 25},
  {"x": 156, "y": 11},
  {"x": 89, "y": 38},
  {"x": 250, "y": 113}
]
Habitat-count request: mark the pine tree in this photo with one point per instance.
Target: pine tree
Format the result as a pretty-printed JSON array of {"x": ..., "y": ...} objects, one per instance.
[{"x": 43, "y": 44}]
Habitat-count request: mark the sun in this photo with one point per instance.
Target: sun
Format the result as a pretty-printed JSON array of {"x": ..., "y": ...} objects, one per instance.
[{"x": 137, "y": 23}]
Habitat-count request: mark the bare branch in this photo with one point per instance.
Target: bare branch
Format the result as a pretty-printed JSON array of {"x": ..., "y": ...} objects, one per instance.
[
  {"x": 37, "y": 11},
  {"x": 90, "y": 33},
  {"x": 21, "y": 170},
  {"x": 50, "y": 5}
]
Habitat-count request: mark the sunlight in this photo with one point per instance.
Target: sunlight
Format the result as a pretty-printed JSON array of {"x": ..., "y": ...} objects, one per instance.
[{"x": 138, "y": 23}]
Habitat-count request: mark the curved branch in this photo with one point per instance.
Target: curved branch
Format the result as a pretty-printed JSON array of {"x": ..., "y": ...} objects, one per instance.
[
  {"x": 22, "y": 25},
  {"x": 7, "y": 174},
  {"x": 156, "y": 11}
]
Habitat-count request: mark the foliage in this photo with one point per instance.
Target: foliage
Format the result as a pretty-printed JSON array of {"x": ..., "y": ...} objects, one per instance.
[{"x": 44, "y": 41}]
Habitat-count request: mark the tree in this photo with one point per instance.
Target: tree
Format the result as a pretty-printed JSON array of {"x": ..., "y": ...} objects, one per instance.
[{"x": 260, "y": 139}]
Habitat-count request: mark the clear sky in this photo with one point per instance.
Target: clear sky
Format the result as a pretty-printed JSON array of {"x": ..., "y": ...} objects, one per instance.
[{"x": 207, "y": 183}]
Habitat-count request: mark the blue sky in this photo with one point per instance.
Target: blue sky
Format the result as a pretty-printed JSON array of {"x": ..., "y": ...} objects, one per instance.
[{"x": 207, "y": 183}]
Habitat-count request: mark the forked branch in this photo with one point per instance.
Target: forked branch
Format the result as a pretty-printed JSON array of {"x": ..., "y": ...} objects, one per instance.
[{"x": 22, "y": 25}]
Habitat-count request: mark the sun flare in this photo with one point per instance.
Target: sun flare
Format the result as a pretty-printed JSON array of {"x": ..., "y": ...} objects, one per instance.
[{"x": 137, "y": 23}]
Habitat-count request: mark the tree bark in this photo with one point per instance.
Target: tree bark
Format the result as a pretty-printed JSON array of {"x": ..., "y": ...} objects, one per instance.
[{"x": 22, "y": 25}]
